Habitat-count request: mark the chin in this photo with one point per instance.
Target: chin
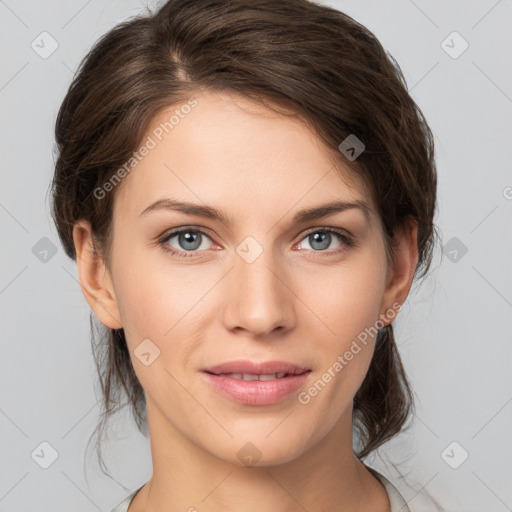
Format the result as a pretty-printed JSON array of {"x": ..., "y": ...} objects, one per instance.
[{"x": 258, "y": 451}]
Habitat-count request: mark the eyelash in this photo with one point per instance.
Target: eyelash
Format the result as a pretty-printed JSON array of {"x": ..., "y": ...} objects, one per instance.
[{"x": 348, "y": 241}]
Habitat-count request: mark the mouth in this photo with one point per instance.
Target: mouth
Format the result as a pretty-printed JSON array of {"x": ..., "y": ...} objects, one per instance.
[
  {"x": 248, "y": 377},
  {"x": 245, "y": 367},
  {"x": 251, "y": 383}
]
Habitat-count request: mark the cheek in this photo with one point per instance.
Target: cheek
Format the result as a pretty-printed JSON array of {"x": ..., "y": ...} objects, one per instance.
[
  {"x": 164, "y": 305},
  {"x": 153, "y": 294},
  {"x": 348, "y": 304},
  {"x": 346, "y": 298}
]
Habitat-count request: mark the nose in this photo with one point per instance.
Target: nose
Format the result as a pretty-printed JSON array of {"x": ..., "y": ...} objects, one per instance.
[{"x": 259, "y": 298}]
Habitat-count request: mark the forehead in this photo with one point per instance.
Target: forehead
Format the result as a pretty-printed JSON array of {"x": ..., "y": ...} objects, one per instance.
[{"x": 230, "y": 151}]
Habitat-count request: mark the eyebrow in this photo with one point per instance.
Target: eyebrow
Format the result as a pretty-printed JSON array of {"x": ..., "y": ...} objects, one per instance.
[{"x": 302, "y": 216}]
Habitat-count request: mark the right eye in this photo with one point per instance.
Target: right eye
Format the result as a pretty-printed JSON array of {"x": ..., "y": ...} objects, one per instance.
[{"x": 188, "y": 240}]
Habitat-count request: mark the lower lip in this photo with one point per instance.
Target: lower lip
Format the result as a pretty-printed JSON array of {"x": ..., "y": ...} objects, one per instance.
[{"x": 256, "y": 392}]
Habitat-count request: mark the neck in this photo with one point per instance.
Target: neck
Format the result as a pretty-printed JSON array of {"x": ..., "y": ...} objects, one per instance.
[{"x": 328, "y": 476}]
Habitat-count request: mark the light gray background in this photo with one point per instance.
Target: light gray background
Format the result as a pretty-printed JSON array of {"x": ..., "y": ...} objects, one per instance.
[{"x": 454, "y": 332}]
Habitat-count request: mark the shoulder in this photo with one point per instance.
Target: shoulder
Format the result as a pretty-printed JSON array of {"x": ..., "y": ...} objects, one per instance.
[
  {"x": 123, "y": 506},
  {"x": 398, "y": 504}
]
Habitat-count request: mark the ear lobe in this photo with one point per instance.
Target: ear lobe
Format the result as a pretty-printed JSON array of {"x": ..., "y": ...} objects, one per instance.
[
  {"x": 400, "y": 277},
  {"x": 95, "y": 278}
]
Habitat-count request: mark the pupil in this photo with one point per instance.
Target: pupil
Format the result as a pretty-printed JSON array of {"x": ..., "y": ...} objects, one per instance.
[
  {"x": 190, "y": 237},
  {"x": 323, "y": 238}
]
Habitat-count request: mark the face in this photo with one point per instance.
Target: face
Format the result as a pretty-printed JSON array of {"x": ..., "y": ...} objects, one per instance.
[{"x": 264, "y": 282}]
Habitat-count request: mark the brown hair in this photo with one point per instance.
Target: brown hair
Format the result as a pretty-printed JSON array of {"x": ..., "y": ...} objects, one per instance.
[{"x": 310, "y": 59}]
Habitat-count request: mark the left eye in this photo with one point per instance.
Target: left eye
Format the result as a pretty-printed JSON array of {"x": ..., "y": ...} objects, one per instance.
[{"x": 321, "y": 239}]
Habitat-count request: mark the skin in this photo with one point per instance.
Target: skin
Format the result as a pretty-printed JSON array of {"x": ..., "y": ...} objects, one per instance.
[{"x": 296, "y": 302}]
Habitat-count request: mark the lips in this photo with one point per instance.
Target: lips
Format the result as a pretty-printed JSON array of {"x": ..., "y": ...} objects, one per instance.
[
  {"x": 252, "y": 383},
  {"x": 252, "y": 376},
  {"x": 244, "y": 367}
]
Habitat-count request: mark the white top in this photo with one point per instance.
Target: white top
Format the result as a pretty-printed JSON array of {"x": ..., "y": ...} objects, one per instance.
[{"x": 398, "y": 504}]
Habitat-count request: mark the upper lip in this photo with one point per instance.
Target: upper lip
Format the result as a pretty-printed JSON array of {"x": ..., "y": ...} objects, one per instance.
[{"x": 256, "y": 368}]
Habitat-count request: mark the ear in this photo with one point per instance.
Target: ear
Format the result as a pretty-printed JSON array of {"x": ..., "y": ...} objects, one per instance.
[
  {"x": 399, "y": 278},
  {"x": 95, "y": 279}
]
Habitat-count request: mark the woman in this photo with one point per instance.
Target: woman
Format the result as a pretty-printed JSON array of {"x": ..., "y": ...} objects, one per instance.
[{"x": 248, "y": 190}]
